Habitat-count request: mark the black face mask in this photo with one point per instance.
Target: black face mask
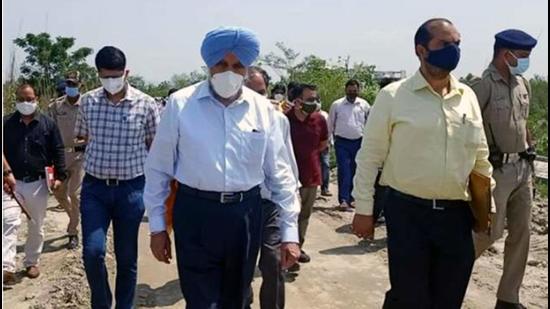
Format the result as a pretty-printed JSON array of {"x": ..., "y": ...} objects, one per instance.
[
  {"x": 445, "y": 58},
  {"x": 309, "y": 107},
  {"x": 351, "y": 97}
]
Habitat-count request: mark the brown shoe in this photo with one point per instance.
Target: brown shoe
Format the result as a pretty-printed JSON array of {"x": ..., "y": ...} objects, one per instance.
[
  {"x": 33, "y": 272},
  {"x": 9, "y": 278}
]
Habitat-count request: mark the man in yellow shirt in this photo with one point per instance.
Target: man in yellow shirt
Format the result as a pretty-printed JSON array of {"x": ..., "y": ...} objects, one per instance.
[{"x": 426, "y": 132}]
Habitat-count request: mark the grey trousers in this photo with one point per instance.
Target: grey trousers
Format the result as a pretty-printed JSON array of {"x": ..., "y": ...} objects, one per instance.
[{"x": 514, "y": 198}]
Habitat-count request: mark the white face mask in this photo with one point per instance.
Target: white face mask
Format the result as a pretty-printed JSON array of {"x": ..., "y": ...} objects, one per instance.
[
  {"x": 227, "y": 84},
  {"x": 113, "y": 85},
  {"x": 278, "y": 97},
  {"x": 26, "y": 108}
]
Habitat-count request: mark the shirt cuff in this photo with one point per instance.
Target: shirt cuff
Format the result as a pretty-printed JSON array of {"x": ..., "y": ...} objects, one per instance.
[
  {"x": 364, "y": 207},
  {"x": 289, "y": 233},
  {"x": 157, "y": 224}
]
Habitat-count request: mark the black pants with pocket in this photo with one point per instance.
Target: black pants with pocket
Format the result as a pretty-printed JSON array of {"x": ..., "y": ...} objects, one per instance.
[
  {"x": 216, "y": 249},
  {"x": 431, "y": 254}
]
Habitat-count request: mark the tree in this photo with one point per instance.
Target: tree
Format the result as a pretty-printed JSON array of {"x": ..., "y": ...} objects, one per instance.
[
  {"x": 48, "y": 59},
  {"x": 538, "y": 113},
  {"x": 284, "y": 64},
  {"x": 183, "y": 80},
  {"x": 330, "y": 78}
]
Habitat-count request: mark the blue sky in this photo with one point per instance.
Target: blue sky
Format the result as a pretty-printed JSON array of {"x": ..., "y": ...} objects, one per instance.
[{"x": 163, "y": 37}]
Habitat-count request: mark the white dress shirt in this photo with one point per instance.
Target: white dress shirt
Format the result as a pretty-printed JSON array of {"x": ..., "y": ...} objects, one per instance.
[
  {"x": 347, "y": 119},
  {"x": 208, "y": 146},
  {"x": 285, "y": 129}
]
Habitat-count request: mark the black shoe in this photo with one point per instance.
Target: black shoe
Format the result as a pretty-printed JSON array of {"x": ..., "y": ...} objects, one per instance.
[
  {"x": 304, "y": 258},
  {"x": 294, "y": 268},
  {"x": 326, "y": 193},
  {"x": 73, "y": 242},
  {"x": 506, "y": 305}
]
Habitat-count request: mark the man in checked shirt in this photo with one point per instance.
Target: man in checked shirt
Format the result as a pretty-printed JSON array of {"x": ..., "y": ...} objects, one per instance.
[{"x": 119, "y": 123}]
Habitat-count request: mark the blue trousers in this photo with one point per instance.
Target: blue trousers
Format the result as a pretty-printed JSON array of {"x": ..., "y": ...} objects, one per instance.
[
  {"x": 123, "y": 206},
  {"x": 325, "y": 169},
  {"x": 216, "y": 249},
  {"x": 346, "y": 151},
  {"x": 430, "y": 253}
]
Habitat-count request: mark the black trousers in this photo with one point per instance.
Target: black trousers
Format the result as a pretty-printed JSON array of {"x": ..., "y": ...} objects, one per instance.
[
  {"x": 431, "y": 254},
  {"x": 217, "y": 247},
  {"x": 272, "y": 291}
]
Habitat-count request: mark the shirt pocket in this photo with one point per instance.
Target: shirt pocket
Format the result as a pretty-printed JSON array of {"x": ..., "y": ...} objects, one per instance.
[
  {"x": 358, "y": 117},
  {"x": 253, "y": 145},
  {"x": 133, "y": 126},
  {"x": 467, "y": 135},
  {"x": 524, "y": 105},
  {"x": 38, "y": 146},
  {"x": 500, "y": 110}
]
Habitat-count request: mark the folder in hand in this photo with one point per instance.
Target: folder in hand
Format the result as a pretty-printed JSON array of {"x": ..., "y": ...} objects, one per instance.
[
  {"x": 480, "y": 191},
  {"x": 50, "y": 177},
  {"x": 170, "y": 201}
]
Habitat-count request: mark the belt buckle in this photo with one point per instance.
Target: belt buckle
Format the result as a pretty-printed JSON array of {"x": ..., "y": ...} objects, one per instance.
[
  {"x": 69, "y": 149},
  {"x": 435, "y": 207},
  {"x": 228, "y": 197},
  {"x": 112, "y": 182}
]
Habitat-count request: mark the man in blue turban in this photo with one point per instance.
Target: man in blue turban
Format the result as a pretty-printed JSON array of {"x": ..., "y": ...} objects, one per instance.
[
  {"x": 220, "y": 141},
  {"x": 504, "y": 94}
]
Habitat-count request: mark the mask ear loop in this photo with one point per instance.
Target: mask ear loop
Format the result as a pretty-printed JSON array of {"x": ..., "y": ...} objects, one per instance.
[{"x": 508, "y": 63}]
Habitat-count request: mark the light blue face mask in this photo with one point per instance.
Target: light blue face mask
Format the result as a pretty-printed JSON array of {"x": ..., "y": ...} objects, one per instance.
[
  {"x": 521, "y": 67},
  {"x": 72, "y": 91}
]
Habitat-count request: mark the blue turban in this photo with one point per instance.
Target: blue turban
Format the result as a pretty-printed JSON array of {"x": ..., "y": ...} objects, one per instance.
[{"x": 221, "y": 41}]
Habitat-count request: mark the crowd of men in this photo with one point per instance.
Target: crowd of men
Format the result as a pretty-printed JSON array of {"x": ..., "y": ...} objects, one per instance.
[{"x": 234, "y": 165}]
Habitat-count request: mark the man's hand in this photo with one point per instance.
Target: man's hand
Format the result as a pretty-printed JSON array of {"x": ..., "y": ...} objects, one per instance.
[
  {"x": 286, "y": 106},
  {"x": 56, "y": 184},
  {"x": 363, "y": 226},
  {"x": 161, "y": 247},
  {"x": 9, "y": 184},
  {"x": 290, "y": 252}
]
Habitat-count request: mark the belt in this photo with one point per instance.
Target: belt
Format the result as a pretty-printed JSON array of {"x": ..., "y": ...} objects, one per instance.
[
  {"x": 349, "y": 139},
  {"x": 76, "y": 149},
  {"x": 222, "y": 197},
  {"x": 32, "y": 178},
  {"x": 111, "y": 182},
  {"x": 433, "y": 203}
]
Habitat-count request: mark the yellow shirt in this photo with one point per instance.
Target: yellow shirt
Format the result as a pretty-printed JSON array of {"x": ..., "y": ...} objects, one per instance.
[{"x": 427, "y": 144}]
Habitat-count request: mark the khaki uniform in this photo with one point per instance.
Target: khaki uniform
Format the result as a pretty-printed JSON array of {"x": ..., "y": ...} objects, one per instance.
[
  {"x": 505, "y": 109},
  {"x": 64, "y": 114}
]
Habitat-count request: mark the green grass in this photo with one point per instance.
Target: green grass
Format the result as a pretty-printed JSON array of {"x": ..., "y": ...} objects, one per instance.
[{"x": 541, "y": 187}]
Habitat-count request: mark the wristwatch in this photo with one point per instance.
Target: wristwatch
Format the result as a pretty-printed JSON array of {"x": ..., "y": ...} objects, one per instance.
[{"x": 7, "y": 173}]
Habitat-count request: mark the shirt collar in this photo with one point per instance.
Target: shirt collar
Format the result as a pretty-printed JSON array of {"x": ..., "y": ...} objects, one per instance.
[
  {"x": 36, "y": 116},
  {"x": 494, "y": 73},
  {"x": 348, "y": 102},
  {"x": 66, "y": 101},
  {"x": 418, "y": 82}
]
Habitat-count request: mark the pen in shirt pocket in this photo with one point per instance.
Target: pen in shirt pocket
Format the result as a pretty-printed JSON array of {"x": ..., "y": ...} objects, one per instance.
[{"x": 463, "y": 118}]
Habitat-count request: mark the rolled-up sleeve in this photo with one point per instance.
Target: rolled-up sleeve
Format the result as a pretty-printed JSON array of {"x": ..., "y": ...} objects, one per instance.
[
  {"x": 281, "y": 182},
  {"x": 373, "y": 152},
  {"x": 160, "y": 167}
]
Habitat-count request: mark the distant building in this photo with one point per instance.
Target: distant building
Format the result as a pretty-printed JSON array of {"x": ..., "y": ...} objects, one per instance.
[{"x": 386, "y": 77}]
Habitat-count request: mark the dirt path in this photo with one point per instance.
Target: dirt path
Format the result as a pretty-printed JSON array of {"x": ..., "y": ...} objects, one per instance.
[{"x": 344, "y": 272}]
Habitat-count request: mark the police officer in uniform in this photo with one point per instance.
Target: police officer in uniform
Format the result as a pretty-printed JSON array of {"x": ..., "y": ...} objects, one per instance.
[
  {"x": 504, "y": 95},
  {"x": 63, "y": 111}
]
